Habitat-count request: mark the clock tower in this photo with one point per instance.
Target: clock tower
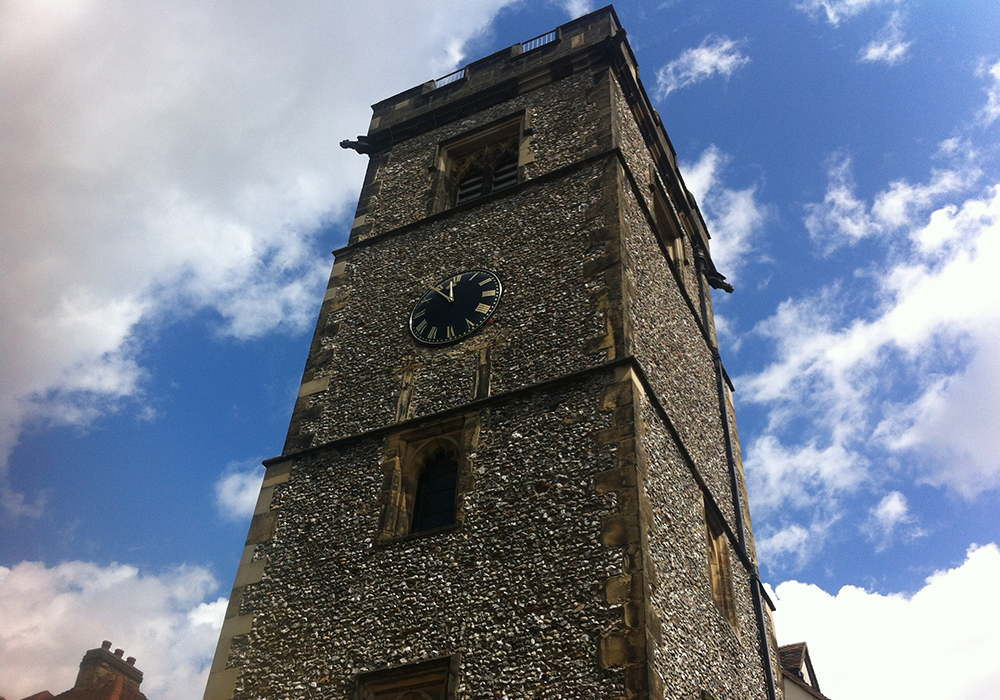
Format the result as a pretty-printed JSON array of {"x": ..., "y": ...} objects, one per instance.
[{"x": 512, "y": 470}]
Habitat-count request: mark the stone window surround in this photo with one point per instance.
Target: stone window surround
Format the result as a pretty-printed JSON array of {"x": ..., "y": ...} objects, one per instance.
[
  {"x": 446, "y": 183},
  {"x": 402, "y": 460},
  {"x": 435, "y": 679},
  {"x": 719, "y": 572},
  {"x": 668, "y": 221}
]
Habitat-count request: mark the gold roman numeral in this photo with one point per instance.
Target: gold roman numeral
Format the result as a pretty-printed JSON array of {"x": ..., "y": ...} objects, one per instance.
[
  {"x": 470, "y": 323},
  {"x": 489, "y": 292},
  {"x": 432, "y": 334},
  {"x": 485, "y": 281},
  {"x": 450, "y": 332},
  {"x": 420, "y": 326},
  {"x": 483, "y": 309},
  {"x": 418, "y": 314}
]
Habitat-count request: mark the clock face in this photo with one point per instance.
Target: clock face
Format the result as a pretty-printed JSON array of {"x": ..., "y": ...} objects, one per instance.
[{"x": 456, "y": 307}]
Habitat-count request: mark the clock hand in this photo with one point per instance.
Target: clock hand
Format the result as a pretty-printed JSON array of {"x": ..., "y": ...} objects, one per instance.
[
  {"x": 435, "y": 289},
  {"x": 451, "y": 289}
]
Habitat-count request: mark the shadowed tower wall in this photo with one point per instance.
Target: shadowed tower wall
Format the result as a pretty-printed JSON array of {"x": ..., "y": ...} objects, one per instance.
[{"x": 594, "y": 540}]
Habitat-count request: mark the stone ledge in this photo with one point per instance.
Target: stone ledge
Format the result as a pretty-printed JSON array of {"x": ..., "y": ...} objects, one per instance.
[{"x": 314, "y": 387}]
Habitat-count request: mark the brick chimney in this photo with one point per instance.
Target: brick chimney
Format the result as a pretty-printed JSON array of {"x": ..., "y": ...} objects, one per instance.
[{"x": 100, "y": 666}]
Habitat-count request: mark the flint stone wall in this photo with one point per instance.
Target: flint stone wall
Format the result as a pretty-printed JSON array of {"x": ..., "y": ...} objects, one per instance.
[
  {"x": 518, "y": 588},
  {"x": 569, "y": 121},
  {"x": 698, "y": 649},
  {"x": 550, "y": 246}
]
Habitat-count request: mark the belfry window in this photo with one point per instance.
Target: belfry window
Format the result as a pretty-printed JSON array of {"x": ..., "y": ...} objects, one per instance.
[
  {"x": 428, "y": 680},
  {"x": 434, "y": 504},
  {"x": 488, "y": 170},
  {"x": 484, "y": 162},
  {"x": 667, "y": 223}
]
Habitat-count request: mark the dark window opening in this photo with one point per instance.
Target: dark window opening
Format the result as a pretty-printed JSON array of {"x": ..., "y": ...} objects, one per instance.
[{"x": 434, "y": 504}]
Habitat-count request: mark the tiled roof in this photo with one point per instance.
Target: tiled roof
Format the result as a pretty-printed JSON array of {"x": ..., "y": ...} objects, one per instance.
[{"x": 792, "y": 655}]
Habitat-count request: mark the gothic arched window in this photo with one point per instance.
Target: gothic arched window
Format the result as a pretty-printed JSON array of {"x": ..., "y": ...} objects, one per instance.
[
  {"x": 434, "y": 501},
  {"x": 425, "y": 472}
]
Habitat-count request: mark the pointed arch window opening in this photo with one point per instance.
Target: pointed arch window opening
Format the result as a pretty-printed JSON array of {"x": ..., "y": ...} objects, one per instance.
[{"x": 437, "y": 486}]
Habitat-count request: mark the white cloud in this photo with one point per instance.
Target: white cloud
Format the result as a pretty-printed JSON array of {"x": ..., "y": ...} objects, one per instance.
[
  {"x": 941, "y": 643},
  {"x": 53, "y": 615},
  {"x": 165, "y": 158},
  {"x": 890, "y": 46},
  {"x": 835, "y": 11},
  {"x": 843, "y": 218},
  {"x": 991, "y": 110},
  {"x": 792, "y": 546},
  {"x": 888, "y": 517},
  {"x": 716, "y": 55},
  {"x": 802, "y": 475},
  {"x": 734, "y": 217},
  {"x": 577, "y": 8},
  {"x": 236, "y": 491},
  {"x": 949, "y": 424},
  {"x": 912, "y": 379}
]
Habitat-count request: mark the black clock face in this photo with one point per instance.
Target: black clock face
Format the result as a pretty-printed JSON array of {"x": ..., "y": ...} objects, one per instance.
[{"x": 456, "y": 307}]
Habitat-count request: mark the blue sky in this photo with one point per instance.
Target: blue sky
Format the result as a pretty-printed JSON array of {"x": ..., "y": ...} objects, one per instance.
[{"x": 172, "y": 187}]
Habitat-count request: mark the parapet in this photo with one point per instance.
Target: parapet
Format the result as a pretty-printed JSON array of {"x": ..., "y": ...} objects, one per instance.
[{"x": 505, "y": 73}]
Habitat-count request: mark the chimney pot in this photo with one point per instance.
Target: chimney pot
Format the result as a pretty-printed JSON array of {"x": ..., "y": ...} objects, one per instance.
[
  {"x": 119, "y": 653},
  {"x": 105, "y": 644},
  {"x": 130, "y": 661}
]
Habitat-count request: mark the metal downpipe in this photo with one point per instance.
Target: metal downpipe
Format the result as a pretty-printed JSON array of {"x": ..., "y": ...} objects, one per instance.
[{"x": 701, "y": 262}]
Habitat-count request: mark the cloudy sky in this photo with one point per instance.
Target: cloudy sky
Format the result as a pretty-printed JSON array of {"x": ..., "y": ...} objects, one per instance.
[{"x": 171, "y": 187}]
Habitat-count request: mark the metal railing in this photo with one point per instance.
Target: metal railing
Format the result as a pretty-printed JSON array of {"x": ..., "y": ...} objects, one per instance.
[
  {"x": 526, "y": 46},
  {"x": 450, "y": 78},
  {"x": 542, "y": 40}
]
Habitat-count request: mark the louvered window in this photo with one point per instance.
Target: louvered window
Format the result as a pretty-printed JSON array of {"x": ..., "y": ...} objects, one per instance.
[{"x": 486, "y": 170}]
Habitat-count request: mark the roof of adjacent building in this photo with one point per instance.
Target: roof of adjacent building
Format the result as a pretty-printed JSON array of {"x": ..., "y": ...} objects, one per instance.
[
  {"x": 103, "y": 676},
  {"x": 796, "y": 667},
  {"x": 792, "y": 655}
]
